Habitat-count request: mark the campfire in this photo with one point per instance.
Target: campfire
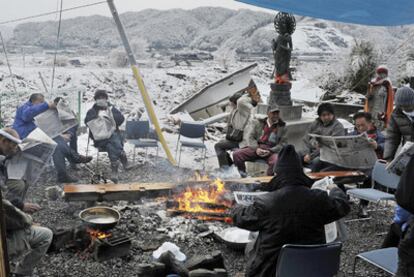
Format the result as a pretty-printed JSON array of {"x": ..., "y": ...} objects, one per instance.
[{"x": 204, "y": 199}]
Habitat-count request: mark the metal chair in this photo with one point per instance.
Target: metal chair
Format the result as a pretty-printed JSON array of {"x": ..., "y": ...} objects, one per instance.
[
  {"x": 191, "y": 135},
  {"x": 320, "y": 260},
  {"x": 381, "y": 176},
  {"x": 385, "y": 259},
  {"x": 137, "y": 133}
]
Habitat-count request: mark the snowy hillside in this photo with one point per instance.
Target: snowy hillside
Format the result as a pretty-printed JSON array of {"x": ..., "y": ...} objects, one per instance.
[{"x": 207, "y": 29}]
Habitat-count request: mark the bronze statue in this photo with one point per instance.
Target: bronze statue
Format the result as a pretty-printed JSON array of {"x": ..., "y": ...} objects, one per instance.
[{"x": 285, "y": 25}]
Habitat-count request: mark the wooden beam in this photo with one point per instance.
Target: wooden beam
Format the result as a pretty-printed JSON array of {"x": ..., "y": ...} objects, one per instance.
[
  {"x": 135, "y": 191},
  {"x": 4, "y": 259}
]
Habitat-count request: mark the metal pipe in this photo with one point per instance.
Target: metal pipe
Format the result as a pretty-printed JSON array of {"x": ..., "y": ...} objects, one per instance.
[{"x": 140, "y": 82}]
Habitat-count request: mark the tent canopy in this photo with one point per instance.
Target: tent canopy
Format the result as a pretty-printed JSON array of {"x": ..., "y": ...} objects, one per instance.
[{"x": 365, "y": 12}]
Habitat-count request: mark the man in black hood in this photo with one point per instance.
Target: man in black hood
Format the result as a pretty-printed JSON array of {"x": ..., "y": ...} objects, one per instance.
[{"x": 290, "y": 213}]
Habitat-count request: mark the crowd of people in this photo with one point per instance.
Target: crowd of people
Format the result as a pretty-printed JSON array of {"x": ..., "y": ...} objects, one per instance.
[{"x": 291, "y": 212}]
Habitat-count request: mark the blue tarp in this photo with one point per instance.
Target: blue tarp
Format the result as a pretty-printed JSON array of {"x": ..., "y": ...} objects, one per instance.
[{"x": 366, "y": 12}]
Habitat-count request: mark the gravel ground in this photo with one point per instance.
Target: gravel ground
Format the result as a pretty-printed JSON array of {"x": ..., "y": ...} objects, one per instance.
[{"x": 148, "y": 226}]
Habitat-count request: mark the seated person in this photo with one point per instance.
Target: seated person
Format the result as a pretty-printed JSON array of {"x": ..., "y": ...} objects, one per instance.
[
  {"x": 241, "y": 104},
  {"x": 364, "y": 124},
  {"x": 25, "y": 241},
  {"x": 263, "y": 139},
  {"x": 24, "y": 124},
  {"x": 325, "y": 125},
  {"x": 290, "y": 213},
  {"x": 110, "y": 140}
]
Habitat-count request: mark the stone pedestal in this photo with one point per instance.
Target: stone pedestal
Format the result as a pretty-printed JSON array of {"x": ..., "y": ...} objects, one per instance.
[{"x": 280, "y": 95}]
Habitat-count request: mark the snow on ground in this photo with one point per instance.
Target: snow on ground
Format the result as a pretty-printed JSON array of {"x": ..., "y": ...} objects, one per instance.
[{"x": 166, "y": 91}]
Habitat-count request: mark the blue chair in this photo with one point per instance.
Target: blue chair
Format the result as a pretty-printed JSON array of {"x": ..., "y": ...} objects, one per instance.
[
  {"x": 191, "y": 135},
  {"x": 138, "y": 134},
  {"x": 320, "y": 260},
  {"x": 381, "y": 176},
  {"x": 385, "y": 259}
]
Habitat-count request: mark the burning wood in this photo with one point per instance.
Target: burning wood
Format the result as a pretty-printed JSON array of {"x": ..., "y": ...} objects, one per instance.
[
  {"x": 96, "y": 234},
  {"x": 211, "y": 202}
]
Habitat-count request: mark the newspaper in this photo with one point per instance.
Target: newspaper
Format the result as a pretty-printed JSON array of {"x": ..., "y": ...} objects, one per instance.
[
  {"x": 347, "y": 151},
  {"x": 35, "y": 152},
  {"x": 400, "y": 161},
  {"x": 54, "y": 122},
  {"x": 246, "y": 198}
]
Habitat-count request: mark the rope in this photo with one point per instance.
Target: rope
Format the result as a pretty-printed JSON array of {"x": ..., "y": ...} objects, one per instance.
[
  {"x": 56, "y": 48},
  {"x": 8, "y": 63},
  {"x": 49, "y": 13}
]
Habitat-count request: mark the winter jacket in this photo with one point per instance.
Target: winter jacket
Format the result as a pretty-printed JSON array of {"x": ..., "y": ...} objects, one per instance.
[
  {"x": 379, "y": 139},
  {"x": 254, "y": 131},
  {"x": 24, "y": 119},
  {"x": 15, "y": 219},
  {"x": 93, "y": 114},
  {"x": 334, "y": 129},
  {"x": 240, "y": 117},
  {"x": 292, "y": 214},
  {"x": 400, "y": 130}
]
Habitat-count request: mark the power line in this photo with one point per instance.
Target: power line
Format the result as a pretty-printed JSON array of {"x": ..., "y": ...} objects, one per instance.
[
  {"x": 57, "y": 46},
  {"x": 50, "y": 13}
]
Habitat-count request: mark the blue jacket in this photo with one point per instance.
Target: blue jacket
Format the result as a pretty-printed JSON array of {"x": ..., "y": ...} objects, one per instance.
[
  {"x": 401, "y": 217},
  {"x": 24, "y": 119}
]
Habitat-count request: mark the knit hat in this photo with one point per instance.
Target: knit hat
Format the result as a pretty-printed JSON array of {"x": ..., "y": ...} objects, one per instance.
[
  {"x": 404, "y": 96},
  {"x": 288, "y": 161},
  {"x": 382, "y": 69},
  {"x": 101, "y": 93},
  {"x": 325, "y": 107},
  {"x": 251, "y": 84}
]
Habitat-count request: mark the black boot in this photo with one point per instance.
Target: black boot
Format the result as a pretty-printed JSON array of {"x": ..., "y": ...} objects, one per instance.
[
  {"x": 80, "y": 159},
  {"x": 124, "y": 161},
  {"x": 114, "y": 172}
]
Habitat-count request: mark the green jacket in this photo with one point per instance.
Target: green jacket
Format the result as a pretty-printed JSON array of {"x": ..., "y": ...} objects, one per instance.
[{"x": 254, "y": 131}]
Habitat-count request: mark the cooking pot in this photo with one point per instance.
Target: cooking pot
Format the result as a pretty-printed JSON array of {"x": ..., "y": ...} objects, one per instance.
[{"x": 100, "y": 218}]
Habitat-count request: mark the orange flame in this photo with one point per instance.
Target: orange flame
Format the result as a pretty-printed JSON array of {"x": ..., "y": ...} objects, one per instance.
[
  {"x": 209, "y": 200},
  {"x": 96, "y": 234}
]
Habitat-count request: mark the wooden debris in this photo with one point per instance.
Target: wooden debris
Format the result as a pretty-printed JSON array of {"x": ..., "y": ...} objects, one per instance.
[{"x": 134, "y": 191}]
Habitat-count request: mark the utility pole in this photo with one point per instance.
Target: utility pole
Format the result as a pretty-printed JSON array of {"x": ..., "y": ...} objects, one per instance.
[
  {"x": 4, "y": 259},
  {"x": 140, "y": 82}
]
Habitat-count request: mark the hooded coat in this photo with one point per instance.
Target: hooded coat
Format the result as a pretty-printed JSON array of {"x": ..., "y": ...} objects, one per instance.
[
  {"x": 400, "y": 130},
  {"x": 290, "y": 213}
]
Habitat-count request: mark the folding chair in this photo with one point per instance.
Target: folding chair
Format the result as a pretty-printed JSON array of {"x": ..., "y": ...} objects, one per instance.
[
  {"x": 320, "y": 260},
  {"x": 384, "y": 178},
  {"x": 385, "y": 259},
  {"x": 137, "y": 133},
  {"x": 191, "y": 135}
]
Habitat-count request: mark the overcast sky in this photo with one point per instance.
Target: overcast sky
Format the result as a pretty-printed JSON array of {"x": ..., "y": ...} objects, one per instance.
[{"x": 11, "y": 9}]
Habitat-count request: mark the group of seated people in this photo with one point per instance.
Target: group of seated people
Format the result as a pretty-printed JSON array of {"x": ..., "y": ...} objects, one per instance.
[
  {"x": 109, "y": 117},
  {"x": 292, "y": 213},
  {"x": 26, "y": 240}
]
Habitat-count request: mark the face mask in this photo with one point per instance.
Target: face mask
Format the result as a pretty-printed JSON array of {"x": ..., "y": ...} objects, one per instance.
[{"x": 102, "y": 103}]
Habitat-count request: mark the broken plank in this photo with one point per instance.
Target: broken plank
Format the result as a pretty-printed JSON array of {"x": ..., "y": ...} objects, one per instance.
[
  {"x": 108, "y": 192},
  {"x": 135, "y": 191}
]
